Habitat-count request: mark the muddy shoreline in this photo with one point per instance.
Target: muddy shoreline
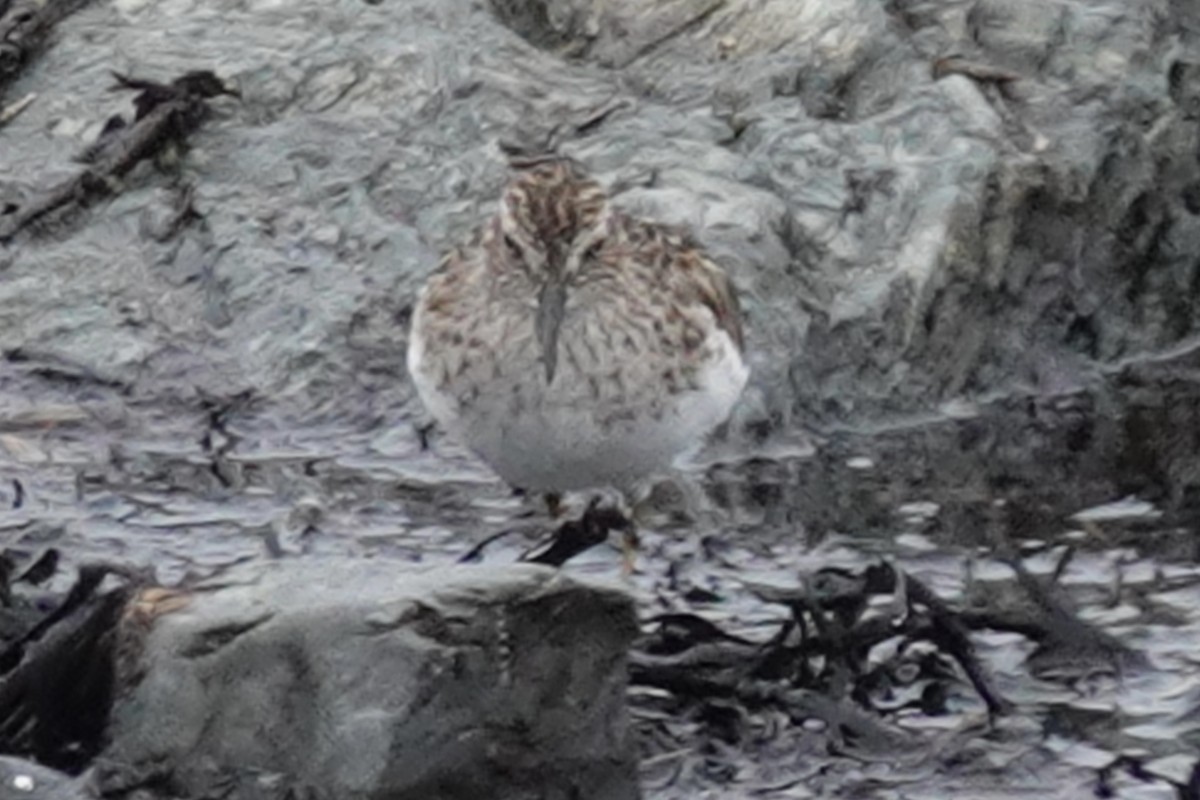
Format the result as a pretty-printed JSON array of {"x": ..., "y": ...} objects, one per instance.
[
  {"x": 964, "y": 235},
  {"x": 927, "y": 495}
]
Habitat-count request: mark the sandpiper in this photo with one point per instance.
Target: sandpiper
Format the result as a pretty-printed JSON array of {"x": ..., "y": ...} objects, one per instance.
[{"x": 573, "y": 346}]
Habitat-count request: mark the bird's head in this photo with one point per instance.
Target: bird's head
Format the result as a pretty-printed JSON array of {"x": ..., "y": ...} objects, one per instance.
[
  {"x": 551, "y": 215},
  {"x": 550, "y": 209}
]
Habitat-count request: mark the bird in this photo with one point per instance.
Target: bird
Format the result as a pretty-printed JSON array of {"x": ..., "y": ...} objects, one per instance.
[{"x": 573, "y": 346}]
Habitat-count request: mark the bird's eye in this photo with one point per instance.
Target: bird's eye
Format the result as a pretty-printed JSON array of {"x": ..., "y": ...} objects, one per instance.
[
  {"x": 592, "y": 252},
  {"x": 514, "y": 249}
]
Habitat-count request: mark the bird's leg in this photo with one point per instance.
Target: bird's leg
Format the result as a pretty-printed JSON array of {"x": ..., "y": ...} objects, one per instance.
[
  {"x": 554, "y": 504},
  {"x": 624, "y": 504},
  {"x": 629, "y": 548}
]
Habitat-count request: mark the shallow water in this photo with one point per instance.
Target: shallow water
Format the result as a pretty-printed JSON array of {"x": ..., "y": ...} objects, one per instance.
[
  {"x": 190, "y": 490},
  {"x": 366, "y": 142}
]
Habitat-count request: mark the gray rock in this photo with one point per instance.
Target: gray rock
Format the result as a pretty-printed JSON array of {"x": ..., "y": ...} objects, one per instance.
[
  {"x": 26, "y": 780},
  {"x": 356, "y": 679},
  {"x": 900, "y": 239}
]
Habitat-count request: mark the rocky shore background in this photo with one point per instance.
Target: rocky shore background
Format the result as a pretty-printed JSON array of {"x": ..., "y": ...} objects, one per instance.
[{"x": 966, "y": 236}]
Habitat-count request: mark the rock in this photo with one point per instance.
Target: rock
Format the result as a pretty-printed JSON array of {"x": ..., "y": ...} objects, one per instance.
[
  {"x": 25, "y": 780},
  {"x": 361, "y": 679},
  {"x": 902, "y": 235}
]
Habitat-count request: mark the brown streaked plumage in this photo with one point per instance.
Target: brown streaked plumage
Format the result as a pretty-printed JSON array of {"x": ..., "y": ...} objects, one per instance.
[{"x": 574, "y": 346}]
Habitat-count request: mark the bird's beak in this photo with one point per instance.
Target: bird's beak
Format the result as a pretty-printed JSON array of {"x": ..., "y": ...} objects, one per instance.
[{"x": 552, "y": 303}]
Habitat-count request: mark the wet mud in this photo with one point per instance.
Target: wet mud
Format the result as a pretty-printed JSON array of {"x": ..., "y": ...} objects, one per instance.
[
  {"x": 1005, "y": 513},
  {"x": 205, "y": 369}
]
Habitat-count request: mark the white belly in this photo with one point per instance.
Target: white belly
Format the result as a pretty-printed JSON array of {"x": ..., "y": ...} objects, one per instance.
[{"x": 561, "y": 437}]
